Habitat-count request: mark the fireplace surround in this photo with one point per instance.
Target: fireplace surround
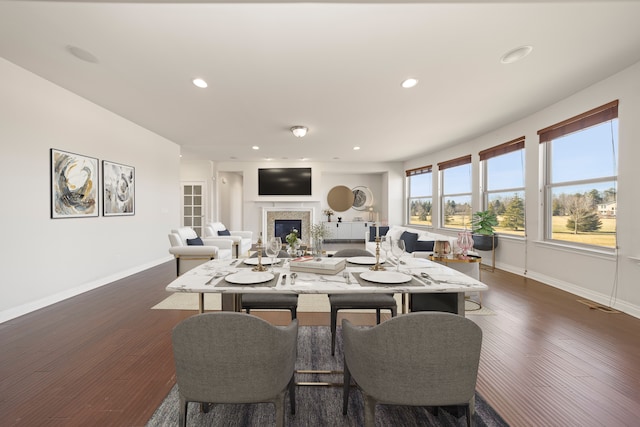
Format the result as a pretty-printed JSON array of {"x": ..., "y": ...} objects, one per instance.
[{"x": 270, "y": 215}]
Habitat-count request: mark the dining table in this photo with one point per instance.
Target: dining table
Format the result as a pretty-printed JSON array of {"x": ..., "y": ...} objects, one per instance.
[{"x": 423, "y": 284}]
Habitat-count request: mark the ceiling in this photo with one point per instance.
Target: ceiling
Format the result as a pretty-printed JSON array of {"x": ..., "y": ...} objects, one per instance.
[{"x": 331, "y": 66}]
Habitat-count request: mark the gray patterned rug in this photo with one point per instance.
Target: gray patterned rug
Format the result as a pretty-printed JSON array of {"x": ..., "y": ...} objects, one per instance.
[{"x": 320, "y": 406}]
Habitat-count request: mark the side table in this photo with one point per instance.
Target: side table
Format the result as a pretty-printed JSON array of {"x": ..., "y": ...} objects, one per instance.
[{"x": 467, "y": 264}]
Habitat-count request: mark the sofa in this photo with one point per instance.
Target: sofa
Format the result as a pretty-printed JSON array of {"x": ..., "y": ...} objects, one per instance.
[
  {"x": 419, "y": 244},
  {"x": 191, "y": 250},
  {"x": 242, "y": 240}
]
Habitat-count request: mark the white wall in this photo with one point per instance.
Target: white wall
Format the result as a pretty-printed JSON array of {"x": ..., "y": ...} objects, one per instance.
[
  {"x": 45, "y": 260},
  {"x": 324, "y": 177},
  {"x": 608, "y": 279}
]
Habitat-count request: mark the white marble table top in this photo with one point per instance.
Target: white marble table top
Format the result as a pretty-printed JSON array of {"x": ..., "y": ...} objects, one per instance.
[{"x": 209, "y": 277}]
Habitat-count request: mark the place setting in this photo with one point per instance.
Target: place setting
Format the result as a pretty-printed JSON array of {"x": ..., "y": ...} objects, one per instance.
[{"x": 249, "y": 278}]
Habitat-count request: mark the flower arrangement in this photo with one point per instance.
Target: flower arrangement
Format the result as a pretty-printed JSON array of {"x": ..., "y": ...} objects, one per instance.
[
  {"x": 327, "y": 212},
  {"x": 318, "y": 231},
  {"x": 292, "y": 238}
]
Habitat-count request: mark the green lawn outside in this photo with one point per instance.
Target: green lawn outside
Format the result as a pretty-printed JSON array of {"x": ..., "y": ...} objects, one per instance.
[
  {"x": 606, "y": 236},
  {"x": 603, "y": 237}
]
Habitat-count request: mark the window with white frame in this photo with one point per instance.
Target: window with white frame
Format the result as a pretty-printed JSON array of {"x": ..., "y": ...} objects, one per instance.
[
  {"x": 581, "y": 173},
  {"x": 455, "y": 193},
  {"x": 503, "y": 189},
  {"x": 420, "y": 201}
]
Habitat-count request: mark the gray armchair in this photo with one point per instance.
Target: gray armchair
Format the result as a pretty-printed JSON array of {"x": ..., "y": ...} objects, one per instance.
[
  {"x": 358, "y": 301},
  {"x": 418, "y": 359},
  {"x": 229, "y": 357}
]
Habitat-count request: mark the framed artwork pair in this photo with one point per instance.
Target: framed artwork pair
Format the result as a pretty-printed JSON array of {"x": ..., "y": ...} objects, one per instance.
[{"x": 75, "y": 186}]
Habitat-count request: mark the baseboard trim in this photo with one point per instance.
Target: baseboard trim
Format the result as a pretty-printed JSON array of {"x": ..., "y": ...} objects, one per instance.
[{"x": 21, "y": 310}]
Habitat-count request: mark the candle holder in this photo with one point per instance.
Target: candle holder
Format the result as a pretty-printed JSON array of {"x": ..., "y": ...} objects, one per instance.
[
  {"x": 259, "y": 267},
  {"x": 377, "y": 266}
]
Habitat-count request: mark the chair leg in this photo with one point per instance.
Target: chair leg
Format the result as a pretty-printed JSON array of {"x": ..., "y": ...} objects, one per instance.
[
  {"x": 183, "y": 412},
  {"x": 279, "y": 402},
  {"x": 377, "y": 316},
  {"x": 369, "y": 411},
  {"x": 294, "y": 312},
  {"x": 471, "y": 410},
  {"x": 334, "y": 321},
  {"x": 292, "y": 394},
  {"x": 393, "y": 312},
  {"x": 346, "y": 386}
]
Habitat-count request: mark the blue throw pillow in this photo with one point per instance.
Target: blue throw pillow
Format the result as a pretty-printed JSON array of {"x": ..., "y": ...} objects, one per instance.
[
  {"x": 195, "y": 242},
  {"x": 224, "y": 233},
  {"x": 372, "y": 233},
  {"x": 410, "y": 240},
  {"x": 424, "y": 246}
]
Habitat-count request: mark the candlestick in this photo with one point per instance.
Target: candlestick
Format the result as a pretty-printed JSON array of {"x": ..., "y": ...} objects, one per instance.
[
  {"x": 377, "y": 266},
  {"x": 259, "y": 267}
]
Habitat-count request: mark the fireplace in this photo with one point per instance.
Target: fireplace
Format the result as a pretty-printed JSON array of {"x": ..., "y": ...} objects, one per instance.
[
  {"x": 291, "y": 217},
  {"x": 284, "y": 227}
]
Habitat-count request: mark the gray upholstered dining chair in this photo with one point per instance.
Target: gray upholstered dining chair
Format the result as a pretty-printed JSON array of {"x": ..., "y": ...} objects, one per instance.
[
  {"x": 228, "y": 357},
  {"x": 271, "y": 301},
  {"x": 357, "y": 301},
  {"x": 417, "y": 359}
]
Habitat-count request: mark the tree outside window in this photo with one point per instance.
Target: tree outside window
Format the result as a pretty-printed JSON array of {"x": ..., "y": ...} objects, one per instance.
[
  {"x": 420, "y": 201},
  {"x": 503, "y": 184},
  {"x": 581, "y": 178},
  {"x": 455, "y": 178}
]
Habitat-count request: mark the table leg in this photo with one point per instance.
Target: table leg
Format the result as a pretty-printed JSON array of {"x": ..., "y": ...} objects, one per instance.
[{"x": 201, "y": 302}]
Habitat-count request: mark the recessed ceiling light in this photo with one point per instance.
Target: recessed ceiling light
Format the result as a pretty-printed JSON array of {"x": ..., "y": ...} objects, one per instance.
[
  {"x": 200, "y": 83},
  {"x": 409, "y": 83},
  {"x": 515, "y": 55},
  {"x": 356, "y": 148},
  {"x": 255, "y": 147},
  {"x": 82, "y": 54}
]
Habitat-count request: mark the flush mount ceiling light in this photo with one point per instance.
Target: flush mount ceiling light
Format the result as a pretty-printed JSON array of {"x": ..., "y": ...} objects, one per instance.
[
  {"x": 299, "y": 131},
  {"x": 409, "y": 83},
  {"x": 515, "y": 55},
  {"x": 200, "y": 83}
]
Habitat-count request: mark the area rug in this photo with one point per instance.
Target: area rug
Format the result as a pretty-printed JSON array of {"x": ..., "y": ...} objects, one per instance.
[
  {"x": 307, "y": 303},
  {"x": 320, "y": 405}
]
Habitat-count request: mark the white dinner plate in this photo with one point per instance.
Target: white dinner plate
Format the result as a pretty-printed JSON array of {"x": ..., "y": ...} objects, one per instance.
[
  {"x": 249, "y": 277},
  {"x": 265, "y": 261},
  {"x": 364, "y": 260},
  {"x": 385, "y": 277}
]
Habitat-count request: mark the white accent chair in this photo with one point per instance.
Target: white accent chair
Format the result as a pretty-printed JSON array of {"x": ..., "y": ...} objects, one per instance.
[
  {"x": 189, "y": 256},
  {"x": 242, "y": 240}
]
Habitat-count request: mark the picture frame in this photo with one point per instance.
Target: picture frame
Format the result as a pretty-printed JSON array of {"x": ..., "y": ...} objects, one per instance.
[
  {"x": 118, "y": 189},
  {"x": 74, "y": 185},
  {"x": 362, "y": 198}
]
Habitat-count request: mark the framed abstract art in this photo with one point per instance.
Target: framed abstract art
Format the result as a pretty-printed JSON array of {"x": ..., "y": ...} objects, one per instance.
[
  {"x": 118, "y": 184},
  {"x": 74, "y": 185}
]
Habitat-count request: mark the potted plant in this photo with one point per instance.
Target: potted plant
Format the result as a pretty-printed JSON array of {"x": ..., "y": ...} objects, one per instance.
[{"x": 484, "y": 235}]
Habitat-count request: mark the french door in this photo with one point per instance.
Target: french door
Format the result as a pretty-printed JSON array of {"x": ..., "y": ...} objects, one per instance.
[{"x": 193, "y": 203}]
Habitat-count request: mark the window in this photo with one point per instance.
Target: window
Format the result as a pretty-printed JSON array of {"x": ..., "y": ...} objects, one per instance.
[
  {"x": 581, "y": 169},
  {"x": 455, "y": 201},
  {"x": 503, "y": 185},
  {"x": 420, "y": 195}
]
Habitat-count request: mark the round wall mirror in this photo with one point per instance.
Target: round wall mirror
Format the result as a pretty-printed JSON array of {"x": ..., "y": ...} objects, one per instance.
[
  {"x": 362, "y": 198},
  {"x": 340, "y": 198}
]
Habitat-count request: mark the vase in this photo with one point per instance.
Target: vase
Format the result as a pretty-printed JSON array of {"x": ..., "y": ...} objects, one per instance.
[
  {"x": 317, "y": 247},
  {"x": 465, "y": 242},
  {"x": 293, "y": 249},
  {"x": 328, "y": 218}
]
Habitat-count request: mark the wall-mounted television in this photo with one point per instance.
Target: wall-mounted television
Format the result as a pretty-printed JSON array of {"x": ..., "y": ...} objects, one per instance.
[{"x": 284, "y": 182}]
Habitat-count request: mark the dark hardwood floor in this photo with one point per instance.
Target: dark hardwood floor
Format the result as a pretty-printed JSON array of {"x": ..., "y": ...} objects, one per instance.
[{"x": 104, "y": 358}]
